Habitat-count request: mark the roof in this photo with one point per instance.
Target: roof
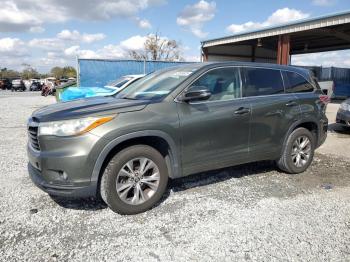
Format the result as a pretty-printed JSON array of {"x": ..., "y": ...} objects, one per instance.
[
  {"x": 300, "y": 70},
  {"x": 293, "y": 27}
]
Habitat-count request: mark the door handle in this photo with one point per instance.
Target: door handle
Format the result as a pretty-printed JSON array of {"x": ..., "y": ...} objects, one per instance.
[
  {"x": 291, "y": 103},
  {"x": 242, "y": 111}
]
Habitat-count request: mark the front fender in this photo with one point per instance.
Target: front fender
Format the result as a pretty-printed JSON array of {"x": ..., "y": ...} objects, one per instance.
[{"x": 174, "y": 155}]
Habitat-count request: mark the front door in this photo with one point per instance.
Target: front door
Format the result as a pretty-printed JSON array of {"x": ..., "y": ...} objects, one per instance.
[{"x": 215, "y": 132}]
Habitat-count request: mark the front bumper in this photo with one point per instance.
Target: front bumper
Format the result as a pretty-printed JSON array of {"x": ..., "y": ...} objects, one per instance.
[
  {"x": 322, "y": 134},
  {"x": 60, "y": 190},
  {"x": 64, "y": 166},
  {"x": 343, "y": 117}
]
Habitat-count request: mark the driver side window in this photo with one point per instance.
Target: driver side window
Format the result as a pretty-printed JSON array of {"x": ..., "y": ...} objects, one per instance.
[{"x": 223, "y": 84}]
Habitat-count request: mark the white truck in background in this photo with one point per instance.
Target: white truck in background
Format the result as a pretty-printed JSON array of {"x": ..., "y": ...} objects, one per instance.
[{"x": 327, "y": 87}]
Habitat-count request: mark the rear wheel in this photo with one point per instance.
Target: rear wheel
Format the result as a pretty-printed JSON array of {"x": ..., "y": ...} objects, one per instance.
[
  {"x": 298, "y": 151},
  {"x": 134, "y": 180}
]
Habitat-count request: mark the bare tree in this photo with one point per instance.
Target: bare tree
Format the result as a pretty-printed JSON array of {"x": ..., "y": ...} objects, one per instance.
[{"x": 158, "y": 48}]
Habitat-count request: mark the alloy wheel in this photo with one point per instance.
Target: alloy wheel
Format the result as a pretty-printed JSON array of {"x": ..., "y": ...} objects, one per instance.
[
  {"x": 301, "y": 151},
  {"x": 137, "y": 181}
]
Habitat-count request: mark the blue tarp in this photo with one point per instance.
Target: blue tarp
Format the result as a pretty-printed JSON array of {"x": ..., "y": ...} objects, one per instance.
[{"x": 97, "y": 72}]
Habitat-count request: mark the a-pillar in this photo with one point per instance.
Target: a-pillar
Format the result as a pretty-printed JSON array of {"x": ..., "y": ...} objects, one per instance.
[{"x": 283, "y": 50}]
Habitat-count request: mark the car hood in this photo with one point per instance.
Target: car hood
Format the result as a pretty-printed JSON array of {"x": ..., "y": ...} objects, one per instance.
[{"x": 87, "y": 107}]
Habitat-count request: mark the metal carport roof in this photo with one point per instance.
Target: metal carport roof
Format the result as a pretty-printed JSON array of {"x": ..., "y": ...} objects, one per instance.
[{"x": 324, "y": 33}]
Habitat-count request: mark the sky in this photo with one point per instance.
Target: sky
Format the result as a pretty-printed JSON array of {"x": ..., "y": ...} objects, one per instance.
[{"x": 47, "y": 33}]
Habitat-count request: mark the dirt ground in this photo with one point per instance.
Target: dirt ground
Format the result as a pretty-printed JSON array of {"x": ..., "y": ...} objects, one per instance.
[{"x": 248, "y": 212}]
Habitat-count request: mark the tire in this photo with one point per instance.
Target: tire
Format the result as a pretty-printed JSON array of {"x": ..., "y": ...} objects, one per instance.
[
  {"x": 288, "y": 161},
  {"x": 115, "y": 176}
]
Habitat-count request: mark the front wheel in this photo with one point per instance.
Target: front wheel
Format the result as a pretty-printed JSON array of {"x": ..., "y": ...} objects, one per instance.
[
  {"x": 134, "y": 180},
  {"x": 298, "y": 152}
]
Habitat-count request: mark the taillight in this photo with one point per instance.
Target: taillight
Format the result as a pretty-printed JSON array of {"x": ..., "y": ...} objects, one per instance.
[{"x": 324, "y": 99}]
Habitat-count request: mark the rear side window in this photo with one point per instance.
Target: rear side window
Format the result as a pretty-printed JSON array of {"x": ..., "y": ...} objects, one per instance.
[
  {"x": 260, "y": 82},
  {"x": 295, "y": 83}
]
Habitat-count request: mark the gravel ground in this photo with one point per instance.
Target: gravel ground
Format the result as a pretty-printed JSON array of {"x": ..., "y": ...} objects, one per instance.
[{"x": 249, "y": 212}]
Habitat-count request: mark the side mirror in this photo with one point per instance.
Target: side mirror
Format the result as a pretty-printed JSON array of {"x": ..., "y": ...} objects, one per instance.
[{"x": 195, "y": 95}]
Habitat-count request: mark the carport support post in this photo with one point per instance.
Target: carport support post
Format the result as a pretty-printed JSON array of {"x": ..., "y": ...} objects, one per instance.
[
  {"x": 253, "y": 53},
  {"x": 283, "y": 50},
  {"x": 204, "y": 54}
]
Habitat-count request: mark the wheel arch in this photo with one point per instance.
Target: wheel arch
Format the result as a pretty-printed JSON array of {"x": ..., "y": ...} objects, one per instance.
[
  {"x": 310, "y": 124},
  {"x": 119, "y": 143}
]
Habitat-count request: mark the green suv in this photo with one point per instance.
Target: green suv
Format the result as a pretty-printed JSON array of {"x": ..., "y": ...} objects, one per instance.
[{"x": 174, "y": 123}]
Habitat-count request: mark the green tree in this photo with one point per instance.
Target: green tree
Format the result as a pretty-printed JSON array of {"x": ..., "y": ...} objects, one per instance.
[
  {"x": 57, "y": 72},
  {"x": 69, "y": 71},
  {"x": 65, "y": 72},
  {"x": 8, "y": 73},
  {"x": 29, "y": 72}
]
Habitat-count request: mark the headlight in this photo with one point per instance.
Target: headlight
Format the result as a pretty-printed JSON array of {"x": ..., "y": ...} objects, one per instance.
[
  {"x": 345, "y": 106},
  {"x": 72, "y": 127}
]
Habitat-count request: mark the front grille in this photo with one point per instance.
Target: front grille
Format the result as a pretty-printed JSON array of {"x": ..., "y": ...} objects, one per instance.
[{"x": 33, "y": 136}]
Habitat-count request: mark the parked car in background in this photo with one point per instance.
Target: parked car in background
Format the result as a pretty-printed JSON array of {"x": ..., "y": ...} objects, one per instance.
[
  {"x": 5, "y": 84},
  {"x": 172, "y": 123},
  {"x": 343, "y": 114},
  {"x": 35, "y": 85},
  {"x": 73, "y": 93},
  {"x": 18, "y": 85}
]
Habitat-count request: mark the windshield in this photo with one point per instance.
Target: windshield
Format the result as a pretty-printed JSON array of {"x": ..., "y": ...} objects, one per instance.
[{"x": 156, "y": 85}]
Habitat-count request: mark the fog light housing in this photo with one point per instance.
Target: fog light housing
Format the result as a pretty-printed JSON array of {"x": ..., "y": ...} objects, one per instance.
[{"x": 63, "y": 175}]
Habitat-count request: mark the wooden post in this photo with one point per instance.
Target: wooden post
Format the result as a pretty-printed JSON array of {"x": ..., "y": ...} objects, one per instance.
[{"x": 283, "y": 50}]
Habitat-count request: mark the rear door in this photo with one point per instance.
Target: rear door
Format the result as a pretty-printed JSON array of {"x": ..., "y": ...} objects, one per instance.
[
  {"x": 312, "y": 108},
  {"x": 306, "y": 93},
  {"x": 273, "y": 111},
  {"x": 215, "y": 132}
]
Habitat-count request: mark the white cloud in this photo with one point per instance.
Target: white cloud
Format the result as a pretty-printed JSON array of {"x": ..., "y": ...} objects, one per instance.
[
  {"x": 192, "y": 58},
  {"x": 280, "y": 16},
  {"x": 50, "y": 44},
  {"x": 143, "y": 23},
  {"x": 12, "y": 47},
  {"x": 193, "y": 17},
  {"x": 117, "y": 51},
  {"x": 323, "y": 2},
  {"x": 136, "y": 42},
  {"x": 21, "y": 15},
  {"x": 64, "y": 39},
  {"x": 37, "y": 29},
  {"x": 14, "y": 19},
  {"x": 76, "y": 51},
  {"x": 112, "y": 51},
  {"x": 61, "y": 51},
  {"x": 77, "y": 37},
  {"x": 325, "y": 59}
]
